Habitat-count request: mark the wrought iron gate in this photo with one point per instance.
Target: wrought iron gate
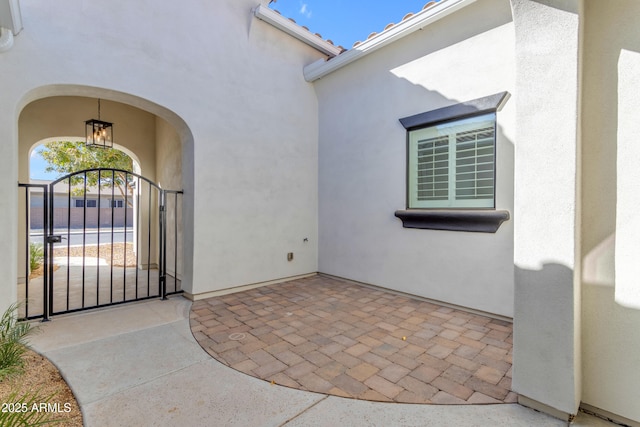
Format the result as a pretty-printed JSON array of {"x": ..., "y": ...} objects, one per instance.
[{"x": 104, "y": 236}]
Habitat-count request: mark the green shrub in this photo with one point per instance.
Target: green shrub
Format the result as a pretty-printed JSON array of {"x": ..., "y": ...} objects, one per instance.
[
  {"x": 13, "y": 340},
  {"x": 36, "y": 255},
  {"x": 21, "y": 410}
]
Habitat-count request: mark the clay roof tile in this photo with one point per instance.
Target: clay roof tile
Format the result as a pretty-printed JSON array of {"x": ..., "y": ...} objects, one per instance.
[{"x": 407, "y": 16}]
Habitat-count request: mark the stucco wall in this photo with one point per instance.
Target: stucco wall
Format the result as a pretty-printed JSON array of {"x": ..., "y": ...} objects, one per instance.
[
  {"x": 546, "y": 351},
  {"x": 169, "y": 177},
  {"x": 233, "y": 88},
  {"x": 363, "y": 161},
  {"x": 168, "y": 160},
  {"x": 610, "y": 309}
]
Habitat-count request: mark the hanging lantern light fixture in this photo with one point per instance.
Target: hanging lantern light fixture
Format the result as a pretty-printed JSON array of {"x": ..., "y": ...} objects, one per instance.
[{"x": 98, "y": 133}]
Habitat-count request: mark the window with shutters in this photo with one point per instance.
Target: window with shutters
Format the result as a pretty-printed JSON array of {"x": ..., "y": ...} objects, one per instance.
[
  {"x": 451, "y": 167},
  {"x": 452, "y": 164}
]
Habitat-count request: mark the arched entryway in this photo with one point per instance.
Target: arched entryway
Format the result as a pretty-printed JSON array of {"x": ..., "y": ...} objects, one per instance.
[{"x": 159, "y": 141}]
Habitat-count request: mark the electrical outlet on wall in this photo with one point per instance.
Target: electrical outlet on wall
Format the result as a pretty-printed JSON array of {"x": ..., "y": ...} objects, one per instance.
[{"x": 290, "y": 256}]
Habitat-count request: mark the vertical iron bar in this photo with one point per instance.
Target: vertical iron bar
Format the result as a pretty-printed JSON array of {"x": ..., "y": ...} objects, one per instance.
[
  {"x": 68, "y": 242},
  {"x": 98, "y": 206},
  {"x": 126, "y": 208},
  {"x": 138, "y": 257},
  {"x": 149, "y": 244},
  {"x": 27, "y": 266},
  {"x": 163, "y": 244},
  {"x": 45, "y": 201},
  {"x": 84, "y": 232},
  {"x": 48, "y": 257},
  {"x": 113, "y": 186},
  {"x": 175, "y": 243}
]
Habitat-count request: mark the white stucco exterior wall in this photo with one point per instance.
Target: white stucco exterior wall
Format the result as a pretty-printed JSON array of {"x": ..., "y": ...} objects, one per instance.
[
  {"x": 547, "y": 366},
  {"x": 628, "y": 194},
  {"x": 465, "y": 56},
  {"x": 169, "y": 177},
  {"x": 611, "y": 316},
  {"x": 232, "y": 87},
  {"x": 168, "y": 158},
  {"x": 9, "y": 245}
]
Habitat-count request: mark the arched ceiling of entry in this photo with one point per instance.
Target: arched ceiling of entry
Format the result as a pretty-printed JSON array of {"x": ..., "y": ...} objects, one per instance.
[
  {"x": 134, "y": 129},
  {"x": 124, "y": 98},
  {"x": 62, "y": 109}
]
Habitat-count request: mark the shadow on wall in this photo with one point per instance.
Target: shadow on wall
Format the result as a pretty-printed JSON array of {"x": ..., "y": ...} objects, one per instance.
[
  {"x": 544, "y": 343},
  {"x": 553, "y": 280}
]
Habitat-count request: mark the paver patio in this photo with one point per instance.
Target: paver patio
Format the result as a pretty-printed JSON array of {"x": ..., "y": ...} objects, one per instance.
[{"x": 336, "y": 337}]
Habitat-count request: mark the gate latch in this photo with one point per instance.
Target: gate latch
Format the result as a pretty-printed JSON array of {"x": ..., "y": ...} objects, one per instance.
[{"x": 54, "y": 239}]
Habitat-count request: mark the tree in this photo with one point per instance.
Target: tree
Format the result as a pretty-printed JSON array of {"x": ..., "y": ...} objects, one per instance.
[{"x": 66, "y": 157}]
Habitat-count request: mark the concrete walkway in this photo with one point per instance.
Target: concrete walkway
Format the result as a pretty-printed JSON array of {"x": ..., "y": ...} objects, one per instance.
[{"x": 139, "y": 365}]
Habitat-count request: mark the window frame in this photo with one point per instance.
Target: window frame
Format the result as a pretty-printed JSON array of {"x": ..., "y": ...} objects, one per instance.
[
  {"x": 474, "y": 219},
  {"x": 452, "y": 201}
]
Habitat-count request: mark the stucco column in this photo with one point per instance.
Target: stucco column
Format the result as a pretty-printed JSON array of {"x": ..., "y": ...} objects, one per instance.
[
  {"x": 8, "y": 207},
  {"x": 546, "y": 215}
]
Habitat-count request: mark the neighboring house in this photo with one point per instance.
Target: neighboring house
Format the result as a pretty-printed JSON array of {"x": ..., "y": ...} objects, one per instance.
[
  {"x": 70, "y": 209},
  {"x": 481, "y": 153}
]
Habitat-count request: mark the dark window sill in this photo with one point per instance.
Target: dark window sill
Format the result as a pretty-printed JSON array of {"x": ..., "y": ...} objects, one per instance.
[{"x": 482, "y": 221}]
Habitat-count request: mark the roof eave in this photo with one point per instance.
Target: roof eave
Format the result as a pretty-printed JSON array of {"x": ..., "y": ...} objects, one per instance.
[
  {"x": 321, "y": 68},
  {"x": 265, "y": 14},
  {"x": 10, "y": 16}
]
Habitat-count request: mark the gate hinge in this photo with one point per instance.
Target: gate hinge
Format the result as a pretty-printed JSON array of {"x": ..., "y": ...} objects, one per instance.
[{"x": 161, "y": 208}]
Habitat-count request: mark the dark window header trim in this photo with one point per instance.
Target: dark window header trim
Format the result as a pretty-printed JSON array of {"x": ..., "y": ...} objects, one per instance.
[{"x": 487, "y": 104}]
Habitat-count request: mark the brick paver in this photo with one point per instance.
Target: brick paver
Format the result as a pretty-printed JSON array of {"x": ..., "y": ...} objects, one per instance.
[{"x": 336, "y": 337}]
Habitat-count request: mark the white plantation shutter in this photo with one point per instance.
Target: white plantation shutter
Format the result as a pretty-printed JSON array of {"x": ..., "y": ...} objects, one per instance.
[
  {"x": 433, "y": 169},
  {"x": 453, "y": 164},
  {"x": 475, "y": 164}
]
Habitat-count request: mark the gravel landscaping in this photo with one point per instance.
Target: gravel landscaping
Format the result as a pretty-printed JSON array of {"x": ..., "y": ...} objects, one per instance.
[{"x": 117, "y": 259}]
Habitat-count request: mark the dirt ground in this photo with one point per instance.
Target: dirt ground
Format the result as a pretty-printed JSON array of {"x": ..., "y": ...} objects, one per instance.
[{"x": 42, "y": 376}]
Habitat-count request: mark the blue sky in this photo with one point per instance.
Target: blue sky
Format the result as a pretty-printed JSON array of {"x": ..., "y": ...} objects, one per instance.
[
  {"x": 37, "y": 165},
  {"x": 346, "y": 21}
]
